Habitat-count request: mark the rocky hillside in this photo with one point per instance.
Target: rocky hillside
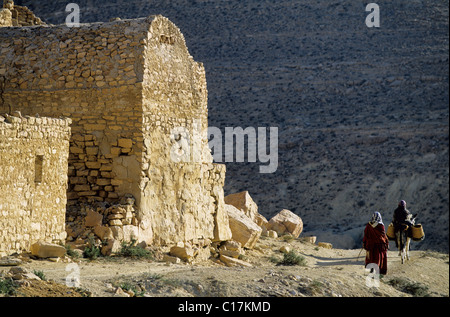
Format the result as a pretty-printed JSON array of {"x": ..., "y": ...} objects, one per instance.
[{"x": 362, "y": 112}]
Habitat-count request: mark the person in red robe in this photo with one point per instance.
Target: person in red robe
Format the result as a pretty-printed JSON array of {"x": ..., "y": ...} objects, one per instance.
[{"x": 376, "y": 243}]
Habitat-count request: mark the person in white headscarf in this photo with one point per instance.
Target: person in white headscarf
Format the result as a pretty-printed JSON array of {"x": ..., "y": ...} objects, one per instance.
[
  {"x": 376, "y": 243},
  {"x": 376, "y": 219}
]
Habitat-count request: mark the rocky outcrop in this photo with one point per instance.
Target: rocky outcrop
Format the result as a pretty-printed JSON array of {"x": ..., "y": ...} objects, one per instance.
[{"x": 286, "y": 222}]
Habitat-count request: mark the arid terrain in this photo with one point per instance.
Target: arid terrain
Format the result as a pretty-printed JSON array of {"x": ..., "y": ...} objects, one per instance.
[
  {"x": 362, "y": 112},
  {"x": 322, "y": 273},
  {"x": 363, "y": 121}
]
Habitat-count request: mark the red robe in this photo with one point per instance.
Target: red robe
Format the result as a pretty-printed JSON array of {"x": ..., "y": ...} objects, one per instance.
[{"x": 376, "y": 242}]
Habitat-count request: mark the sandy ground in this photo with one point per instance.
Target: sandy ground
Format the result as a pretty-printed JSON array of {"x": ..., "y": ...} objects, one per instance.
[{"x": 325, "y": 273}]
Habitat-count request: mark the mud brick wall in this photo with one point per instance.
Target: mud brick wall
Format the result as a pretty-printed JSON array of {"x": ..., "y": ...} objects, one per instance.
[{"x": 33, "y": 181}]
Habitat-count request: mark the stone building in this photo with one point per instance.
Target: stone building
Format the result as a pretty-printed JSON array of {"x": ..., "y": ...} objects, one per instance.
[
  {"x": 138, "y": 105},
  {"x": 33, "y": 180},
  {"x": 14, "y": 15}
]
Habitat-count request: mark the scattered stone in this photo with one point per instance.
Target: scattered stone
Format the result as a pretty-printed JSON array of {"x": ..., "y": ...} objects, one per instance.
[
  {"x": 93, "y": 219},
  {"x": 121, "y": 293},
  {"x": 171, "y": 259},
  {"x": 231, "y": 253},
  {"x": 232, "y": 245},
  {"x": 9, "y": 261},
  {"x": 285, "y": 249},
  {"x": 113, "y": 246},
  {"x": 311, "y": 239},
  {"x": 325, "y": 245},
  {"x": 20, "y": 273},
  {"x": 229, "y": 261},
  {"x": 185, "y": 253},
  {"x": 286, "y": 222},
  {"x": 43, "y": 249},
  {"x": 243, "y": 229},
  {"x": 245, "y": 203}
]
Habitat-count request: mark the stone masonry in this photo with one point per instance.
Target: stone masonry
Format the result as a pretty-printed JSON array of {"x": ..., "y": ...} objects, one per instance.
[
  {"x": 14, "y": 15},
  {"x": 33, "y": 180},
  {"x": 127, "y": 85}
]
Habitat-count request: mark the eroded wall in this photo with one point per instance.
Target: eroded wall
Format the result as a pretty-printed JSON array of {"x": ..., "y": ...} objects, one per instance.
[
  {"x": 182, "y": 187},
  {"x": 33, "y": 181}
]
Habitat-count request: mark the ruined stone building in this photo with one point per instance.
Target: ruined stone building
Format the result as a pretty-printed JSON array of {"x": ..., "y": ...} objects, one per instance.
[
  {"x": 128, "y": 86},
  {"x": 33, "y": 180},
  {"x": 14, "y": 15}
]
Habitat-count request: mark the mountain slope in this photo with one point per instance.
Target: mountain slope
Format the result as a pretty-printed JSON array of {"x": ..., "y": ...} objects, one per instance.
[{"x": 362, "y": 113}]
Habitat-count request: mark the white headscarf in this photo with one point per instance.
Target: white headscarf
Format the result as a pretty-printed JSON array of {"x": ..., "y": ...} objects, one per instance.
[{"x": 376, "y": 219}]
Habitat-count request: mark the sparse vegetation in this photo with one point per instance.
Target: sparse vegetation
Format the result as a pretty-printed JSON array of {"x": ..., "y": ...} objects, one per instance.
[
  {"x": 92, "y": 251},
  {"x": 8, "y": 287},
  {"x": 130, "y": 249},
  {"x": 410, "y": 287},
  {"x": 70, "y": 252},
  {"x": 136, "y": 289},
  {"x": 287, "y": 237},
  {"x": 40, "y": 274},
  {"x": 292, "y": 258}
]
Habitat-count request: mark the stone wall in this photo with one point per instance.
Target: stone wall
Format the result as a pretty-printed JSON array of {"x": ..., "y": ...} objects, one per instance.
[
  {"x": 33, "y": 181},
  {"x": 128, "y": 86},
  {"x": 179, "y": 177},
  {"x": 14, "y": 15},
  {"x": 93, "y": 75}
]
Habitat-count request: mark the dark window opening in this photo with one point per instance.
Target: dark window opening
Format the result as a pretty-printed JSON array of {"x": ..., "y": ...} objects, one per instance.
[{"x": 38, "y": 165}]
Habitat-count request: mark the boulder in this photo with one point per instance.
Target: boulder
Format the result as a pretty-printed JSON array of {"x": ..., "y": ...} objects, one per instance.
[
  {"x": 285, "y": 249},
  {"x": 286, "y": 222},
  {"x": 93, "y": 218},
  {"x": 222, "y": 230},
  {"x": 103, "y": 232},
  {"x": 243, "y": 229},
  {"x": 19, "y": 273},
  {"x": 244, "y": 202},
  {"x": 171, "y": 259},
  {"x": 185, "y": 253},
  {"x": 43, "y": 249},
  {"x": 325, "y": 245},
  {"x": 229, "y": 261},
  {"x": 232, "y": 245},
  {"x": 309, "y": 239},
  {"x": 113, "y": 246}
]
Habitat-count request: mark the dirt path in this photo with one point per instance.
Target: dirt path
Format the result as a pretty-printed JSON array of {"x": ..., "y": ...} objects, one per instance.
[{"x": 327, "y": 272}]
